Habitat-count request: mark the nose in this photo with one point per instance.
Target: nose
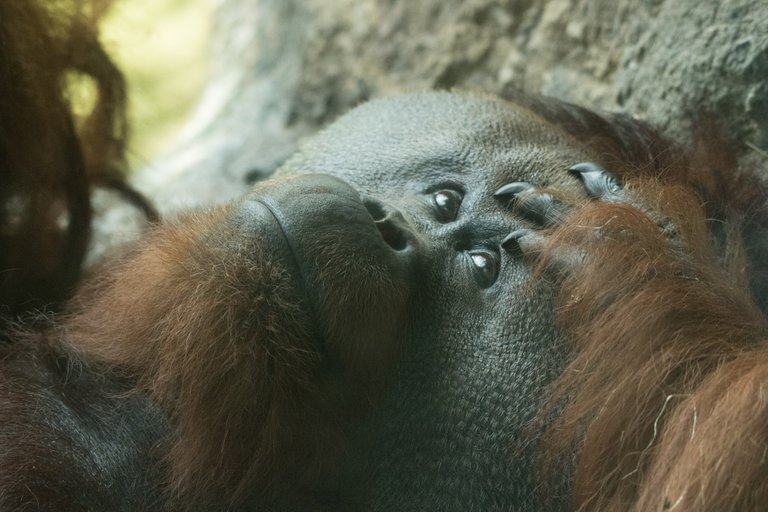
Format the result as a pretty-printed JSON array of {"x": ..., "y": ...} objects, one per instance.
[{"x": 392, "y": 226}]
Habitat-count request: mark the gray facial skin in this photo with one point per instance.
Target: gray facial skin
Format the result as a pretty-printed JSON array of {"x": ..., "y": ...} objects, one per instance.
[{"x": 477, "y": 342}]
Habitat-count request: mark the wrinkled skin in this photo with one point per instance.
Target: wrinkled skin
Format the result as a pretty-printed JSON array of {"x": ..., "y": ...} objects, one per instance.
[
  {"x": 449, "y": 433},
  {"x": 356, "y": 318}
]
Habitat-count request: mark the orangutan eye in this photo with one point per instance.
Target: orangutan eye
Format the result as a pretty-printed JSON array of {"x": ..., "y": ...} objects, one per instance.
[
  {"x": 447, "y": 204},
  {"x": 486, "y": 267}
]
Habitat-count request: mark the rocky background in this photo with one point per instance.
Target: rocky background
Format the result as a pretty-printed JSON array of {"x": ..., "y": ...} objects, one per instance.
[{"x": 282, "y": 69}]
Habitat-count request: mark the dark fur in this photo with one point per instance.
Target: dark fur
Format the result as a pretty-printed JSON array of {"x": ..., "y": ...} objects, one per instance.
[
  {"x": 49, "y": 160},
  {"x": 352, "y": 362},
  {"x": 65, "y": 435}
]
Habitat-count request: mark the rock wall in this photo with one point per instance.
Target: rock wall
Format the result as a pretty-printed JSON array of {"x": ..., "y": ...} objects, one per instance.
[{"x": 281, "y": 69}]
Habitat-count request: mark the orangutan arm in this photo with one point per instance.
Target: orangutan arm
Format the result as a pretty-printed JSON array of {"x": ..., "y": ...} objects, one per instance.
[{"x": 664, "y": 396}]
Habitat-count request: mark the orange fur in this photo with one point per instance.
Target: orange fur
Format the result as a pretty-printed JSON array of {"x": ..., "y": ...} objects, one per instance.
[
  {"x": 239, "y": 333},
  {"x": 662, "y": 399},
  {"x": 258, "y": 399}
]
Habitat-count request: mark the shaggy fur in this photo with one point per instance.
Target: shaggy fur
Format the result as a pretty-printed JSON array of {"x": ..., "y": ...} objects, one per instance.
[
  {"x": 49, "y": 158},
  {"x": 224, "y": 399},
  {"x": 664, "y": 397}
]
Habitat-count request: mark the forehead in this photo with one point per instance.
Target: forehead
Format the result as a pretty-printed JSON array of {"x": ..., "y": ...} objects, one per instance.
[{"x": 413, "y": 141}]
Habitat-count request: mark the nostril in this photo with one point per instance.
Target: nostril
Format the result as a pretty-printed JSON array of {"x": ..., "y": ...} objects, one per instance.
[
  {"x": 375, "y": 209},
  {"x": 387, "y": 222},
  {"x": 392, "y": 235}
]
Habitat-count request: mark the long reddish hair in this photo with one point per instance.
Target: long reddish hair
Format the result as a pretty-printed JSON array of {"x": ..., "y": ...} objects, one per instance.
[
  {"x": 663, "y": 404},
  {"x": 49, "y": 157}
]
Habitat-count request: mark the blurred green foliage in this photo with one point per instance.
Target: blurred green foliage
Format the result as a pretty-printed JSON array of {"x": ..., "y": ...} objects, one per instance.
[{"x": 161, "y": 46}]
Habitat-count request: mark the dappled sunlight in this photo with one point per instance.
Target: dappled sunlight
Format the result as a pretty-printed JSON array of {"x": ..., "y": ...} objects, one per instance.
[{"x": 161, "y": 45}]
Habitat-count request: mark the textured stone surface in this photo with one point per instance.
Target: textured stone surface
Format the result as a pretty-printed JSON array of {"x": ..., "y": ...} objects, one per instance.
[{"x": 284, "y": 68}]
